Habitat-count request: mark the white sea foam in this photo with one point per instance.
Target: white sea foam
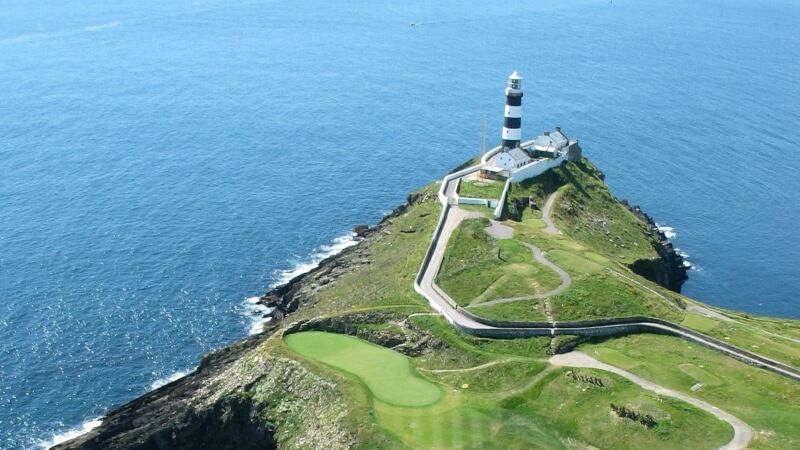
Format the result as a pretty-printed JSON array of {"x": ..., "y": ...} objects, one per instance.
[
  {"x": 686, "y": 263},
  {"x": 169, "y": 379},
  {"x": 104, "y": 26},
  {"x": 71, "y": 433},
  {"x": 669, "y": 232},
  {"x": 310, "y": 263},
  {"x": 256, "y": 311},
  {"x": 54, "y": 34}
]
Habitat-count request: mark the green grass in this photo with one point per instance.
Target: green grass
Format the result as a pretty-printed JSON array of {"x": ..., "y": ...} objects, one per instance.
[
  {"x": 521, "y": 403},
  {"x": 518, "y": 403},
  {"x": 587, "y": 212},
  {"x": 387, "y": 374},
  {"x": 479, "y": 268},
  {"x": 481, "y": 189},
  {"x": 388, "y": 279},
  {"x": 531, "y": 310},
  {"x": 604, "y": 295},
  {"x": 699, "y": 323},
  {"x": 501, "y": 377},
  {"x": 582, "y": 411},
  {"x": 765, "y": 401}
]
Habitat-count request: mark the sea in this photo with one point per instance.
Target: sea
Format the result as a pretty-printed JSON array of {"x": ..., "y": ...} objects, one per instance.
[{"x": 161, "y": 163}]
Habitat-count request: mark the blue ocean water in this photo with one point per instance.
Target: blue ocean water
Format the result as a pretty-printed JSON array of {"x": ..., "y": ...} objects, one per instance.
[{"x": 160, "y": 162}]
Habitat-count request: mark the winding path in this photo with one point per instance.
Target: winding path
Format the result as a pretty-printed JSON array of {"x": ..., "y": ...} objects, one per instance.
[
  {"x": 425, "y": 285},
  {"x": 566, "y": 280},
  {"x": 742, "y": 433}
]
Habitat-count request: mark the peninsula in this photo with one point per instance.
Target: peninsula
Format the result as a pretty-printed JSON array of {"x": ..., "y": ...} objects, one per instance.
[{"x": 514, "y": 304}]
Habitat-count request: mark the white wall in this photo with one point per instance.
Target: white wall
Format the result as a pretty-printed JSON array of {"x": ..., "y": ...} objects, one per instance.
[{"x": 536, "y": 168}]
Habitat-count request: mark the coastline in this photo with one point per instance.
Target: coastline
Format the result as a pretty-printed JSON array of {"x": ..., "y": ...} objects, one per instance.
[{"x": 150, "y": 408}]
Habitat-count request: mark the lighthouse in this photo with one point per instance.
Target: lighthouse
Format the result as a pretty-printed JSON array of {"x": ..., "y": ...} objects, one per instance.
[{"x": 513, "y": 112}]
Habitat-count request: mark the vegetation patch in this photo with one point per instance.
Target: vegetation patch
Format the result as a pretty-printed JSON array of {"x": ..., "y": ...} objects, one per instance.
[
  {"x": 387, "y": 374},
  {"x": 488, "y": 189},
  {"x": 603, "y": 295},
  {"x": 479, "y": 268},
  {"x": 764, "y": 400},
  {"x": 530, "y": 310}
]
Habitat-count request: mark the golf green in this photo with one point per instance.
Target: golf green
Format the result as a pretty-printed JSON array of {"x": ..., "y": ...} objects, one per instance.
[{"x": 386, "y": 373}]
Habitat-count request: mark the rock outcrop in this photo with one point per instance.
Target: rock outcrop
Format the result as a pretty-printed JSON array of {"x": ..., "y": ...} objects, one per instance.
[{"x": 669, "y": 269}]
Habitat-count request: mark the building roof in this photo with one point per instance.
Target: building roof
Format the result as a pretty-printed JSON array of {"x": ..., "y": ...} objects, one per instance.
[
  {"x": 515, "y": 75},
  {"x": 518, "y": 154},
  {"x": 555, "y": 140}
]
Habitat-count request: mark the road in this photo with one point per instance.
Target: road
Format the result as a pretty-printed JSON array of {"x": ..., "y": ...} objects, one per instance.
[{"x": 742, "y": 433}]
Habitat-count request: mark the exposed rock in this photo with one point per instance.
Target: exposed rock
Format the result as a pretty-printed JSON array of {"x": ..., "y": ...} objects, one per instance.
[
  {"x": 669, "y": 270},
  {"x": 361, "y": 230}
]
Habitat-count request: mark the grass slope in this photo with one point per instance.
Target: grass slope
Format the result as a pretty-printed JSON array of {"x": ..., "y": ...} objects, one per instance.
[{"x": 479, "y": 268}]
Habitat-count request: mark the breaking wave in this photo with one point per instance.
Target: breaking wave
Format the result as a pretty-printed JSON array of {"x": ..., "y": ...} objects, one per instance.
[
  {"x": 169, "y": 379},
  {"x": 669, "y": 232},
  {"x": 71, "y": 433},
  {"x": 256, "y": 311}
]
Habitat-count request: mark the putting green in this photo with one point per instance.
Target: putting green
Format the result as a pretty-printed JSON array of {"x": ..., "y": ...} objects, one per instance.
[{"x": 386, "y": 373}]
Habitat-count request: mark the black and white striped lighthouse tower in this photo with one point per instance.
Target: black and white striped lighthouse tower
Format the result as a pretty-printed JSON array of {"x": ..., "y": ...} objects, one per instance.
[{"x": 513, "y": 112}]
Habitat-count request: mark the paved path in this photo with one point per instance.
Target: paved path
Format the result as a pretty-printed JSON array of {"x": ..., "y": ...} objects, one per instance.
[
  {"x": 742, "y": 433},
  {"x": 425, "y": 285},
  {"x": 550, "y": 226}
]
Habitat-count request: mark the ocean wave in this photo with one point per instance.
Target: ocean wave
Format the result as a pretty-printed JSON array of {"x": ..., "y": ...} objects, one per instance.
[
  {"x": 27, "y": 37},
  {"x": 71, "y": 433},
  {"x": 317, "y": 256},
  {"x": 104, "y": 26},
  {"x": 169, "y": 379},
  {"x": 256, "y": 311},
  {"x": 669, "y": 232}
]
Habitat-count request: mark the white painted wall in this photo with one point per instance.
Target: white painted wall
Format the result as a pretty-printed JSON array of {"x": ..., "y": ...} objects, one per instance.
[{"x": 536, "y": 168}]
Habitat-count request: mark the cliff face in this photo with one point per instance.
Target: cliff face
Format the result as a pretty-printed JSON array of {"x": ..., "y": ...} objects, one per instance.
[{"x": 669, "y": 269}]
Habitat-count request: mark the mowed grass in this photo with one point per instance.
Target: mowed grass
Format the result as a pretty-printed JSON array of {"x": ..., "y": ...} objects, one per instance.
[
  {"x": 522, "y": 310},
  {"x": 766, "y": 401},
  {"x": 388, "y": 375},
  {"x": 488, "y": 189}
]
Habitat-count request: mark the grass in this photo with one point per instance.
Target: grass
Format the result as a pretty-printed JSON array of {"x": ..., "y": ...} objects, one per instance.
[
  {"x": 765, "y": 401},
  {"x": 582, "y": 411},
  {"x": 488, "y": 189},
  {"x": 522, "y": 402},
  {"x": 387, "y": 374},
  {"x": 518, "y": 403},
  {"x": 531, "y": 310},
  {"x": 479, "y": 268},
  {"x": 388, "y": 279},
  {"x": 699, "y": 323},
  {"x": 604, "y": 295}
]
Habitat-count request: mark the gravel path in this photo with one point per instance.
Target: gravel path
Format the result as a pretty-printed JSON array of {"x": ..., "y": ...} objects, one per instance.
[
  {"x": 742, "y": 433},
  {"x": 550, "y": 226}
]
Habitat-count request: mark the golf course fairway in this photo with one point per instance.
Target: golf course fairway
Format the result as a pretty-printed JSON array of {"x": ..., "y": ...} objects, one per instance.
[{"x": 386, "y": 373}]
